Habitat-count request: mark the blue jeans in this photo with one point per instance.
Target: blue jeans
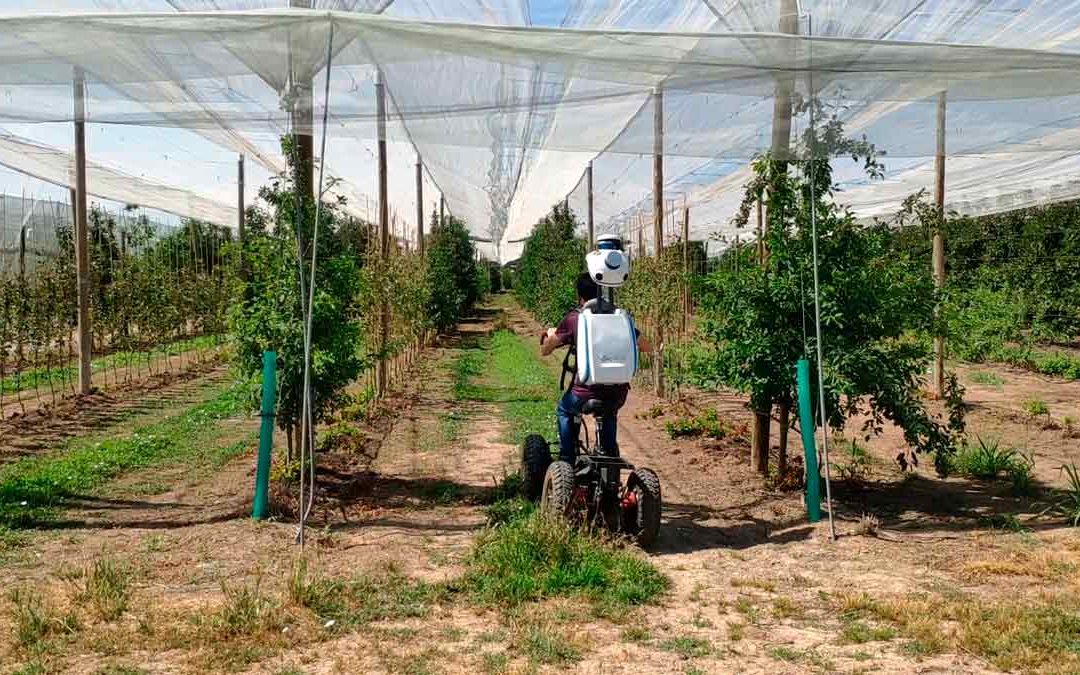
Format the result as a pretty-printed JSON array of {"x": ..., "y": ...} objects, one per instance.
[{"x": 568, "y": 411}]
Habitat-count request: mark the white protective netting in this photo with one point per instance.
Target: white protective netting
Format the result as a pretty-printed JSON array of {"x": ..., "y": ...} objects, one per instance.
[{"x": 507, "y": 115}]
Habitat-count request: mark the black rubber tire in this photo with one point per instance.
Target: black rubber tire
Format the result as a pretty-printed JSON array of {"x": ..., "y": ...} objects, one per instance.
[
  {"x": 558, "y": 489},
  {"x": 642, "y": 523},
  {"x": 535, "y": 460}
]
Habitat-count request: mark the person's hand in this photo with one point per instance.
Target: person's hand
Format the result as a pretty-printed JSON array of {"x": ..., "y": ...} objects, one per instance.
[{"x": 549, "y": 333}]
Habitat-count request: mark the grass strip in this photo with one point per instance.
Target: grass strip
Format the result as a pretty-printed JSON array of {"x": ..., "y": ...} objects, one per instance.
[
  {"x": 31, "y": 489},
  {"x": 508, "y": 371}
]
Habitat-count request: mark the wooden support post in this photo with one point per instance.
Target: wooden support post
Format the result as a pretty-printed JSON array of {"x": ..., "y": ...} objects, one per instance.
[
  {"x": 384, "y": 232},
  {"x": 419, "y": 205},
  {"x": 303, "y": 124},
  {"x": 658, "y": 219},
  {"x": 589, "y": 217},
  {"x": 82, "y": 254},
  {"x": 781, "y": 152},
  {"x": 939, "y": 241},
  {"x": 22, "y": 253}
]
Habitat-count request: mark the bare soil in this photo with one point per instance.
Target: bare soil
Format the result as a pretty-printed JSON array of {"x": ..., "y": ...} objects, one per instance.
[{"x": 756, "y": 589}]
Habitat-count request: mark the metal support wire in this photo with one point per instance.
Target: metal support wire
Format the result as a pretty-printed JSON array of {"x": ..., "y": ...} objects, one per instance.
[
  {"x": 817, "y": 300},
  {"x": 307, "y": 418}
]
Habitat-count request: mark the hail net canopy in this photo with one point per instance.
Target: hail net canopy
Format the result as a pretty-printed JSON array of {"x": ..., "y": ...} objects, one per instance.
[{"x": 506, "y": 103}]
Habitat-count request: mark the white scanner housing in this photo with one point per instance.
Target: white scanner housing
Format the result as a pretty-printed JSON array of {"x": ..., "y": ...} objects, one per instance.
[
  {"x": 606, "y": 347},
  {"x": 608, "y": 266}
]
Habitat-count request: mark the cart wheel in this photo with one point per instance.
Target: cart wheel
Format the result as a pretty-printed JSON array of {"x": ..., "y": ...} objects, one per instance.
[
  {"x": 535, "y": 460},
  {"x": 558, "y": 491},
  {"x": 641, "y": 507}
]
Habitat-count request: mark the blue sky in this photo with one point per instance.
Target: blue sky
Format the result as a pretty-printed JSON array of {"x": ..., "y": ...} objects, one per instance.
[{"x": 547, "y": 12}]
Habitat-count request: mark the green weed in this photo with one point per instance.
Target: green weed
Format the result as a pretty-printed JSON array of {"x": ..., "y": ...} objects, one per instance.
[
  {"x": 986, "y": 378},
  {"x": 451, "y": 425},
  {"x": 341, "y": 436},
  {"x": 467, "y": 366},
  {"x": 988, "y": 459},
  {"x": 636, "y": 634},
  {"x": 539, "y": 556},
  {"x": 353, "y": 602},
  {"x": 687, "y": 646},
  {"x": 1036, "y": 408},
  {"x": 785, "y": 607},
  {"x": 107, "y": 586},
  {"x": 736, "y": 630},
  {"x": 858, "y": 464},
  {"x": 708, "y": 425},
  {"x": 495, "y": 663},
  {"x": 12, "y": 539},
  {"x": 782, "y": 653},
  {"x": 247, "y": 611},
  {"x": 442, "y": 492},
  {"x": 859, "y": 632},
  {"x": 35, "y": 621},
  {"x": 1068, "y": 501},
  {"x": 509, "y": 510},
  {"x": 121, "y": 670},
  {"x": 547, "y": 644}
]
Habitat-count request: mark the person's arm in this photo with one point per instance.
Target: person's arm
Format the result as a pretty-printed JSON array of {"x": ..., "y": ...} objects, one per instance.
[
  {"x": 549, "y": 342},
  {"x": 561, "y": 335}
]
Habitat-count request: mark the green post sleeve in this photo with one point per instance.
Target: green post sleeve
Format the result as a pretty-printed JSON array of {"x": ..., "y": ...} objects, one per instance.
[
  {"x": 806, "y": 424},
  {"x": 266, "y": 436}
]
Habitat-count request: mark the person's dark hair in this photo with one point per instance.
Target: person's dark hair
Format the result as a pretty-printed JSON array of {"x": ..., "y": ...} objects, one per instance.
[{"x": 586, "y": 287}]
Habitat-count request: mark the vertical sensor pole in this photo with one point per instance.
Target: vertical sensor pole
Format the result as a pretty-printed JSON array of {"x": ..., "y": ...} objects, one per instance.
[
  {"x": 589, "y": 218},
  {"x": 419, "y": 205},
  {"x": 381, "y": 370},
  {"x": 806, "y": 426},
  {"x": 266, "y": 436}
]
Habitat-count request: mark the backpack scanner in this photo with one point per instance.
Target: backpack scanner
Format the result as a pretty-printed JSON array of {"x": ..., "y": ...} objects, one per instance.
[{"x": 606, "y": 349}]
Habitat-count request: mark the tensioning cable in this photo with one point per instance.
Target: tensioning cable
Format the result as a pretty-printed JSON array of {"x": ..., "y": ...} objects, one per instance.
[
  {"x": 307, "y": 422},
  {"x": 817, "y": 295}
]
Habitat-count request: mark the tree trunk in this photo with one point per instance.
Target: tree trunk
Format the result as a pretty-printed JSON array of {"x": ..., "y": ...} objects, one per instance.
[
  {"x": 781, "y": 456},
  {"x": 759, "y": 442}
]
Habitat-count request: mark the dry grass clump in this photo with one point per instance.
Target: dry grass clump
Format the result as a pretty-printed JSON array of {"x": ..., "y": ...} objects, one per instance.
[{"x": 1039, "y": 636}]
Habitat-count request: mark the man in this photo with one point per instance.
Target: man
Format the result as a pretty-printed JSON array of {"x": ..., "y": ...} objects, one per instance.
[{"x": 574, "y": 398}]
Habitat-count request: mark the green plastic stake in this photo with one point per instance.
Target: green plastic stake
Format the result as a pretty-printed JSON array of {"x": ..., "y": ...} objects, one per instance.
[
  {"x": 266, "y": 436},
  {"x": 806, "y": 425}
]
